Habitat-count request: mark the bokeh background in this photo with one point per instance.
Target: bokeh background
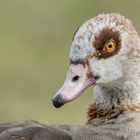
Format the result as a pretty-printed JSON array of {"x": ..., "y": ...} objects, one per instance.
[{"x": 35, "y": 39}]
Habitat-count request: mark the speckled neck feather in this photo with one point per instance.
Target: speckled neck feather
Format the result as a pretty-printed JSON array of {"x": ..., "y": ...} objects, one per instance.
[
  {"x": 110, "y": 103},
  {"x": 95, "y": 112}
]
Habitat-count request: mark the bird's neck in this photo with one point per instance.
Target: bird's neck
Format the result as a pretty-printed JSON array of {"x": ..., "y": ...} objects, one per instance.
[
  {"x": 116, "y": 100},
  {"x": 125, "y": 93}
]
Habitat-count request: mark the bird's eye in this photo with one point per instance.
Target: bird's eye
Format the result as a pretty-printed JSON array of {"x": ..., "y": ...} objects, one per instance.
[{"x": 110, "y": 46}]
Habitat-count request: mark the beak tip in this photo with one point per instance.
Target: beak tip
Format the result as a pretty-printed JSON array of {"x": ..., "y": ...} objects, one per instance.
[{"x": 58, "y": 101}]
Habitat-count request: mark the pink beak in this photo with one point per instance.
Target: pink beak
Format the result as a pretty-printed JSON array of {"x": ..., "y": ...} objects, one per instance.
[{"x": 78, "y": 79}]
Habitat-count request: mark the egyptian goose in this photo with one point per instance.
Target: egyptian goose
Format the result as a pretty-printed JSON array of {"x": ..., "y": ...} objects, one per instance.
[{"x": 105, "y": 53}]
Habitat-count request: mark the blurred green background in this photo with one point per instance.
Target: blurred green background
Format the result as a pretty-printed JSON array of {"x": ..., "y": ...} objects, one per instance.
[{"x": 35, "y": 39}]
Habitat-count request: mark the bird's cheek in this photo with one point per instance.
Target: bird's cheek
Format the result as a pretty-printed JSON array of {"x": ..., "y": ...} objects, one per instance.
[{"x": 109, "y": 74}]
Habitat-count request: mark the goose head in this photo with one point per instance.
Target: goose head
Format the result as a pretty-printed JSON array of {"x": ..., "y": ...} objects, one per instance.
[{"x": 105, "y": 52}]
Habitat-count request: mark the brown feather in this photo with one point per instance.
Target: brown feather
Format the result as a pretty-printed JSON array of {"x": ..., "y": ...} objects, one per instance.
[
  {"x": 106, "y": 114},
  {"x": 105, "y": 35}
]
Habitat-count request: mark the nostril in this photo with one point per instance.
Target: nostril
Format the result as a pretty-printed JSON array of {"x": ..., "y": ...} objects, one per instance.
[
  {"x": 75, "y": 78},
  {"x": 96, "y": 77}
]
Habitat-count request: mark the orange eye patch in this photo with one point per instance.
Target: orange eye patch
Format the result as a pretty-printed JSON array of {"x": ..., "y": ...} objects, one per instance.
[{"x": 110, "y": 46}]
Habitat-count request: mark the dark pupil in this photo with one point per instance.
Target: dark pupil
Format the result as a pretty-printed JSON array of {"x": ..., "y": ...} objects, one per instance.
[{"x": 110, "y": 45}]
